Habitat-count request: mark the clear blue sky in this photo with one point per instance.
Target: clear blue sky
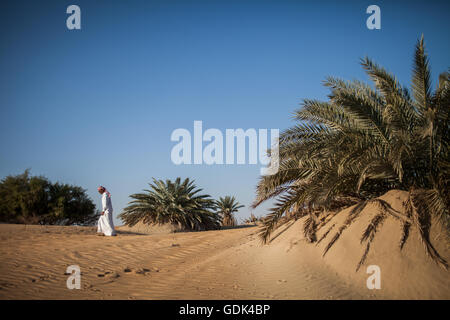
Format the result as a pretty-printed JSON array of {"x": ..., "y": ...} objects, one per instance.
[{"x": 98, "y": 105}]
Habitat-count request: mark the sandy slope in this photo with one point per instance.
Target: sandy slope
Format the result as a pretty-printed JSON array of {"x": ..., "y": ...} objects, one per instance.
[
  {"x": 225, "y": 264},
  {"x": 406, "y": 273}
]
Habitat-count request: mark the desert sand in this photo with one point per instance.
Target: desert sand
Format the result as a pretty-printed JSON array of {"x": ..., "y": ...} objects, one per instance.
[{"x": 222, "y": 264}]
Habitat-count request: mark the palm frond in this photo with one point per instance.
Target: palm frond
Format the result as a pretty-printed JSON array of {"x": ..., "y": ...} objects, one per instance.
[
  {"x": 369, "y": 235},
  {"x": 363, "y": 142}
]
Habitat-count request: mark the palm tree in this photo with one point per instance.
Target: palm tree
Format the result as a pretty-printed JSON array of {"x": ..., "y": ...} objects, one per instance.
[
  {"x": 176, "y": 202},
  {"x": 361, "y": 143},
  {"x": 226, "y": 207},
  {"x": 252, "y": 219}
]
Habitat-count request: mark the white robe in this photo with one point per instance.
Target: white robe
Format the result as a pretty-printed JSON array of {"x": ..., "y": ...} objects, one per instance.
[{"x": 105, "y": 223}]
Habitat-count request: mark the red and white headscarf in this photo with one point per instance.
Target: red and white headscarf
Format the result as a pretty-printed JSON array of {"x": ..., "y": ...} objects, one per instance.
[{"x": 104, "y": 190}]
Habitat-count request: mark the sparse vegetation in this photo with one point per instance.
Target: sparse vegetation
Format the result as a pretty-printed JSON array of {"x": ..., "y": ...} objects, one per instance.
[
  {"x": 226, "y": 207},
  {"x": 362, "y": 143},
  {"x": 35, "y": 200},
  {"x": 252, "y": 219},
  {"x": 177, "y": 203}
]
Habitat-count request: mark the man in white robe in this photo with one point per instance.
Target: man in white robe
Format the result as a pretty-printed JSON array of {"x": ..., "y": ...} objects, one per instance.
[{"x": 105, "y": 223}]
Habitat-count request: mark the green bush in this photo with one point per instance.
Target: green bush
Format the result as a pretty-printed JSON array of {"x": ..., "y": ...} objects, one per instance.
[
  {"x": 35, "y": 200},
  {"x": 176, "y": 203}
]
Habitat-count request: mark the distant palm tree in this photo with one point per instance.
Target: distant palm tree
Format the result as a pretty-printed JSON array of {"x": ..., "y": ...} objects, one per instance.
[
  {"x": 226, "y": 207},
  {"x": 177, "y": 203},
  {"x": 363, "y": 142},
  {"x": 252, "y": 219}
]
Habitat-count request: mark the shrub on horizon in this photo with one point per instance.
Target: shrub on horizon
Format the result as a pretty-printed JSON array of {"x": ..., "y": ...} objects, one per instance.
[
  {"x": 177, "y": 203},
  {"x": 35, "y": 200}
]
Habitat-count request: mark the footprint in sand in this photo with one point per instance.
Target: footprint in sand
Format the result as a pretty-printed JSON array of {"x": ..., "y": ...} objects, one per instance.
[
  {"x": 6, "y": 285},
  {"x": 113, "y": 275},
  {"x": 142, "y": 271},
  {"x": 108, "y": 274},
  {"x": 76, "y": 254},
  {"x": 41, "y": 278}
]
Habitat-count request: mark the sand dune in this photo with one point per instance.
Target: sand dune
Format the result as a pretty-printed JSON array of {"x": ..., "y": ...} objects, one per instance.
[
  {"x": 223, "y": 264},
  {"x": 141, "y": 228},
  {"x": 406, "y": 273},
  {"x": 226, "y": 264}
]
